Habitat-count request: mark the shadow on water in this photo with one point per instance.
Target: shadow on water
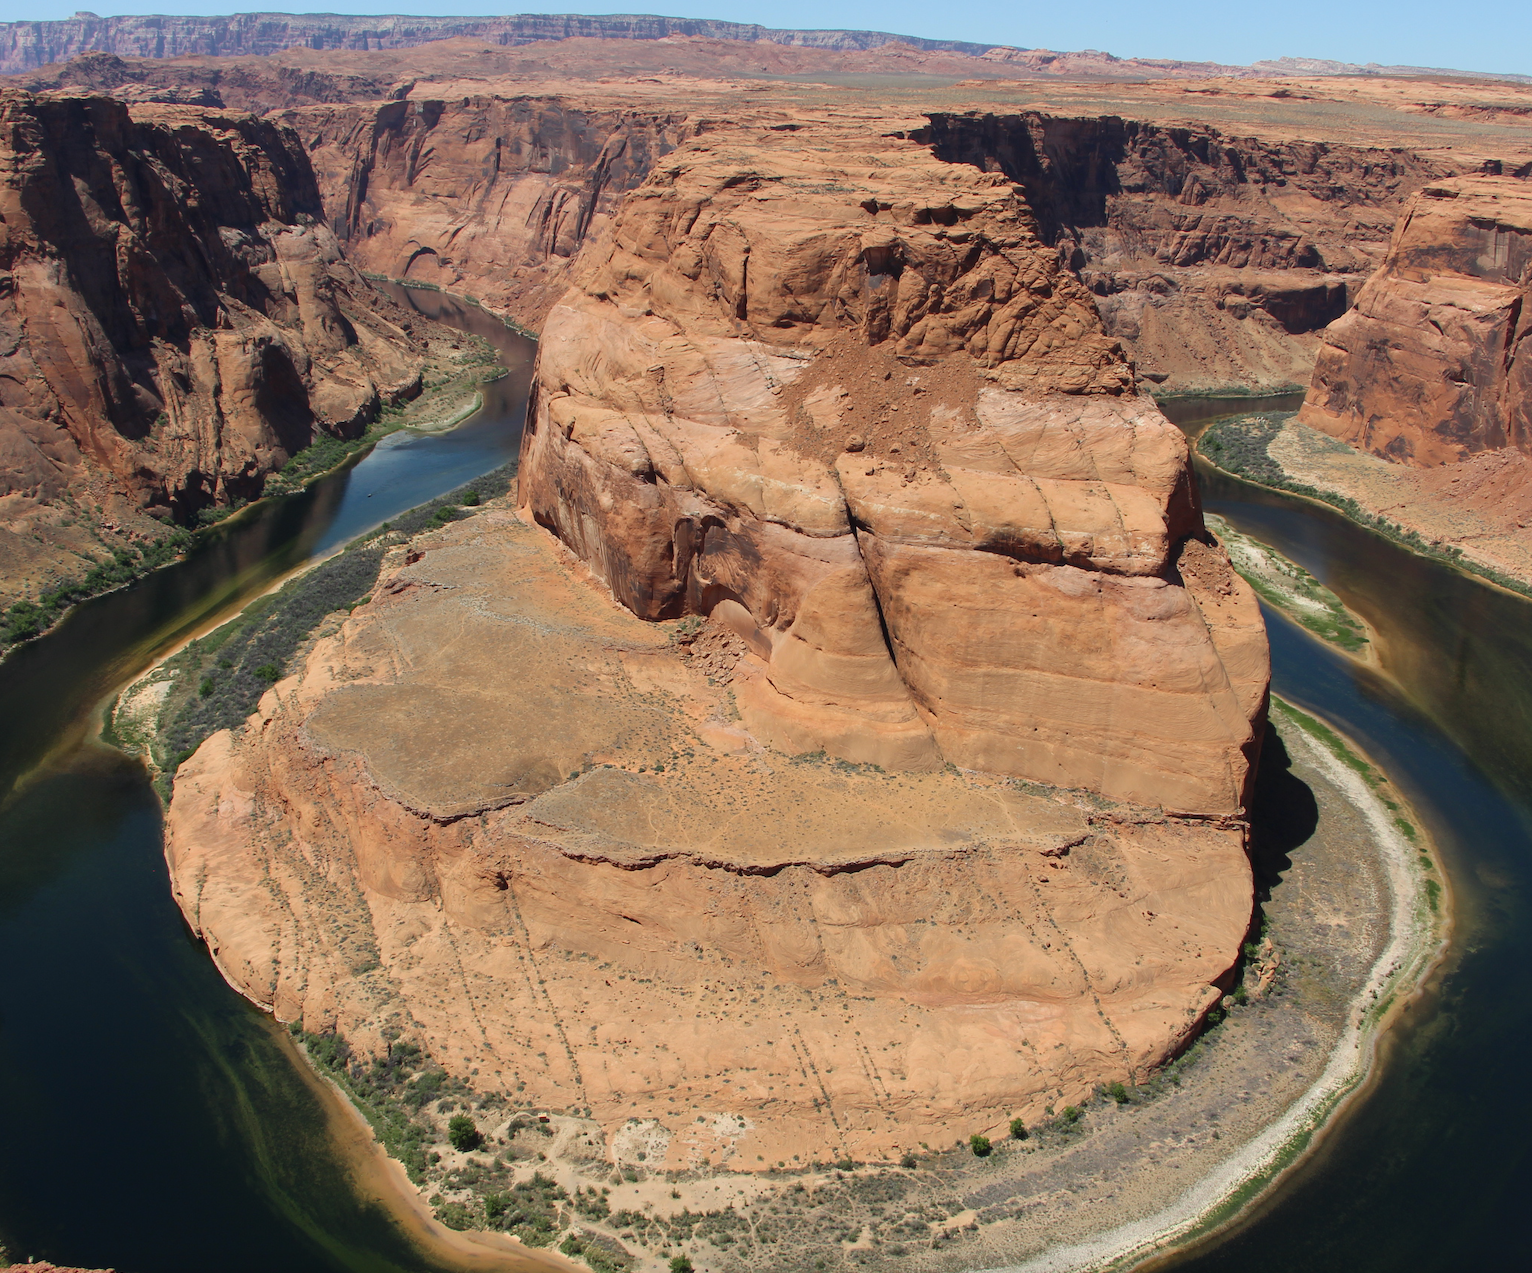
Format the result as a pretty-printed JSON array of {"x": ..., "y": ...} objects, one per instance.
[
  {"x": 1431, "y": 1168},
  {"x": 150, "y": 1119}
]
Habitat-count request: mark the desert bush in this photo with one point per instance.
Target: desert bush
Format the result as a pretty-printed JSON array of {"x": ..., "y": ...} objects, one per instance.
[
  {"x": 463, "y": 1133},
  {"x": 27, "y": 619},
  {"x": 257, "y": 648}
]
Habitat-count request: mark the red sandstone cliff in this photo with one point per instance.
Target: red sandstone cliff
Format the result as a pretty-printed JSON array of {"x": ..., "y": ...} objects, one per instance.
[
  {"x": 1434, "y": 365},
  {"x": 838, "y": 392},
  {"x": 175, "y": 312},
  {"x": 1220, "y": 227},
  {"x": 490, "y": 195}
]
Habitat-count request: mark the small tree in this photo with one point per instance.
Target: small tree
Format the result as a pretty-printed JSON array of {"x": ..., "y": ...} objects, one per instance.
[
  {"x": 1117, "y": 1092},
  {"x": 680, "y": 1264},
  {"x": 980, "y": 1145},
  {"x": 1018, "y": 1129},
  {"x": 462, "y": 1133}
]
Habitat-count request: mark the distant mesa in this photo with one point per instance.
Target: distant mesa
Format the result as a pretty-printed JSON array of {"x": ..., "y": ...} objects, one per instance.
[{"x": 25, "y": 46}]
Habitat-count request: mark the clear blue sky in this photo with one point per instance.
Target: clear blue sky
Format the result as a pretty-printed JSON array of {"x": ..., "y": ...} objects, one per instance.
[{"x": 1485, "y": 35}]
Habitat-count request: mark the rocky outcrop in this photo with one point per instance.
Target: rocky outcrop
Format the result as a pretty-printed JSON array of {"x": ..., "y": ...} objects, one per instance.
[
  {"x": 546, "y": 849},
  {"x": 839, "y": 394},
  {"x": 756, "y": 861},
  {"x": 1434, "y": 365},
  {"x": 489, "y": 195},
  {"x": 176, "y": 315},
  {"x": 1215, "y": 258}
]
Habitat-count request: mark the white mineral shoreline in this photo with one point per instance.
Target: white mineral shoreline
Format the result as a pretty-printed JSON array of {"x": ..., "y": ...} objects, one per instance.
[{"x": 1417, "y": 942}]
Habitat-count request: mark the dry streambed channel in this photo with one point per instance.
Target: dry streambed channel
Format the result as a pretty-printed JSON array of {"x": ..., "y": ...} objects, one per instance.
[{"x": 1351, "y": 912}]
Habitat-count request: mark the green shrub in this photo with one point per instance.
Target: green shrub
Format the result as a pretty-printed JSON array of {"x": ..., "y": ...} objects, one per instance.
[
  {"x": 1018, "y": 1129},
  {"x": 1070, "y": 1116},
  {"x": 470, "y": 499},
  {"x": 27, "y": 619},
  {"x": 1117, "y": 1092},
  {"x": 980, "y": 1145},
  {"x": 463, "y": 1133},
  {"x": 455, "y": 1215},
  {"x": 680, "y": 1264},
  {"x": 258, "y": 646}
]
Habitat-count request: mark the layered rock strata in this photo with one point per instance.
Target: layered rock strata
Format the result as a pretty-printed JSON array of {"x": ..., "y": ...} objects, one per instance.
[
  {"x": 176, "y": 320},
  {"x": 501, "y": 816},
  {"x": 1433, "y": 365},
  {"x": 491, "y": 195},
  {"x": 1216, "y": 258},
  {"x": 1221, "y": 226},
  {"x": 177, "y": 313},
  {"x": 841, "y": 395}
]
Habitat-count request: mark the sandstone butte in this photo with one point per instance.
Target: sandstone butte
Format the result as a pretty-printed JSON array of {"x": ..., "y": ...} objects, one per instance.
[
  {"x": 927, "y": 812},
  {"x": 176, "y": 319}
]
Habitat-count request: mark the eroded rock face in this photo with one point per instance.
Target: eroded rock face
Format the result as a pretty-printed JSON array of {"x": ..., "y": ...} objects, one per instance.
[
  {"x": 175, "y": 316},
  {"x": 489, "y": 195},
  {"x": 720, "y": 810},
  {"x": 1216, "y": 258},
  {"x": 1433, "y": 365},
  {"x": 548, "y": 849},
  {"x": 839, "y": 394}
]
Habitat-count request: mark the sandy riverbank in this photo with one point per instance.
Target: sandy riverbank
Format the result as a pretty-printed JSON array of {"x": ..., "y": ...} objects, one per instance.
[
  {"x": 1476, "y": 514},
  {"x": 1289, "y": 588}
]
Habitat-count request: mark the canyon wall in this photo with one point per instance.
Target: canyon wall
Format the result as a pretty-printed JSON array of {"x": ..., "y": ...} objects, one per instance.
[
  {"x": 1433, "y": 366},
  {"x": 1216, "y": 259},
  {"x": 1216, "y": 256},
  {"x": 488, "y": 195},
  {"x": 176, "y": 316},
  {"x": 839, "y": 392}
]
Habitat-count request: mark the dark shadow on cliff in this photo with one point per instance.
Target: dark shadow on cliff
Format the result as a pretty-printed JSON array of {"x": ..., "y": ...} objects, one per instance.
[{"x": 1283, "y": 815}]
